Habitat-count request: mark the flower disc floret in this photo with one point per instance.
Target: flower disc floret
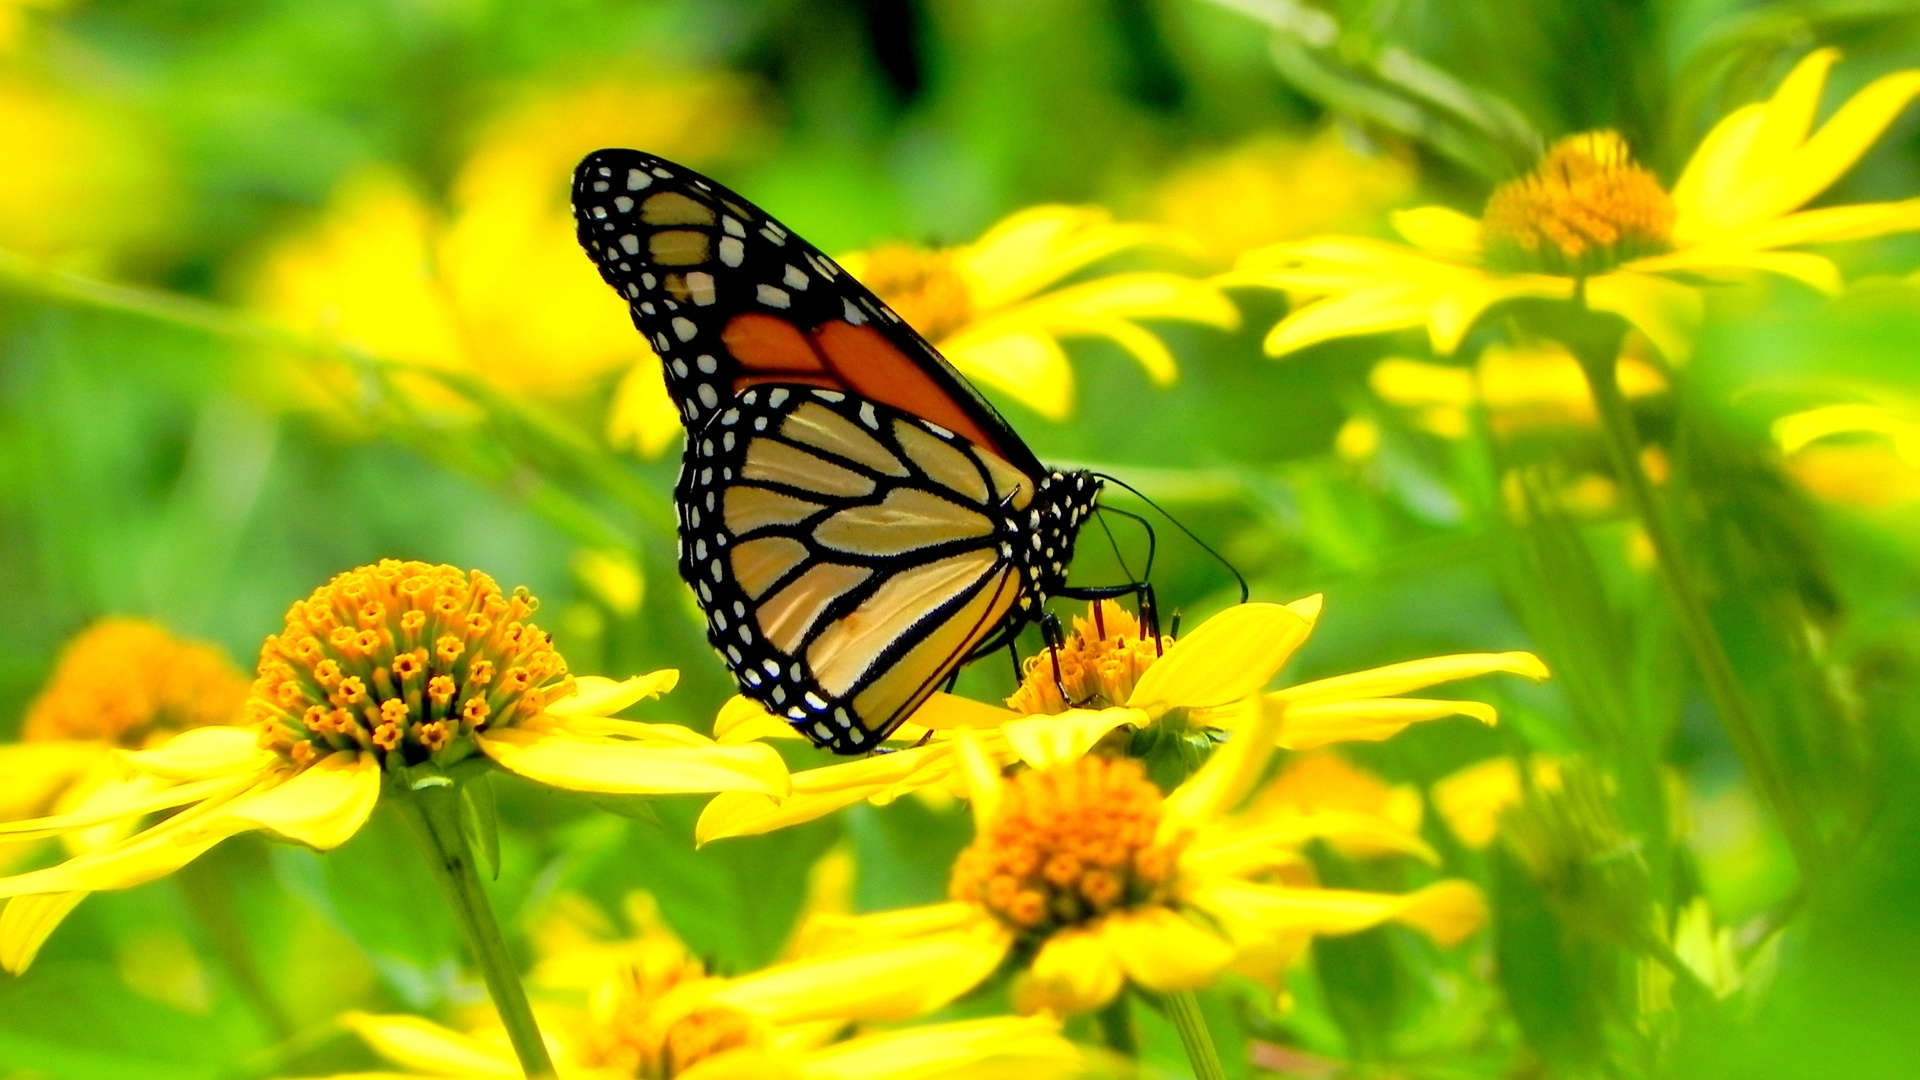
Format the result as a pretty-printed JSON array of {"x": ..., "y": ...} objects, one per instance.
[
  {"x": 922, "y": 286},
  {"x": 1585, "y": 209},
  {"x": 1098, "y": 664},
  {"x": 649, "y": 1032},
  {"x": 1068, "y": 844},
  {"x": 403, "y": 658},
  {"x": 128, "y": 681}
]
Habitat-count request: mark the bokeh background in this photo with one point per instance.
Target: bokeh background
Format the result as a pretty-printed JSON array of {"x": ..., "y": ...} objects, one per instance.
[{"x": 289, "y": 287}]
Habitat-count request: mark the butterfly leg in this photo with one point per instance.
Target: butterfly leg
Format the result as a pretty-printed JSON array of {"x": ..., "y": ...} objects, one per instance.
[{"x": 1056, "y": 639}]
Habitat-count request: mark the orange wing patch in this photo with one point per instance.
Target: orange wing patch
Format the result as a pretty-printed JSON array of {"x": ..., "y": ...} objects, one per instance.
[
  {"x": 857, "y": 359},
  {"x": 871, "y": 367}
]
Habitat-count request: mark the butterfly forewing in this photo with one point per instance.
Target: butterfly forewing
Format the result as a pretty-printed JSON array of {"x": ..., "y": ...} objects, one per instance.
[
  {"x": 730, "y": 298},
  {"x": 855, "y": 519}
]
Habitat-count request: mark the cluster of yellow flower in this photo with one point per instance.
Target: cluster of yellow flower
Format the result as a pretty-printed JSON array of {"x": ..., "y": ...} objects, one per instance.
[{"x": 400, "y": 674}]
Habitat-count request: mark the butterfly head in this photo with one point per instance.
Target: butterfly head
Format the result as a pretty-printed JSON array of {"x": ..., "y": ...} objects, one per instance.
[{"x": 1061, "y": 504}]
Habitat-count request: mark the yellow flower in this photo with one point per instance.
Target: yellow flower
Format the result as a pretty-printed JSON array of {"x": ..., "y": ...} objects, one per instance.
[
  {"x": 495, "y": 286},
  {"x": 1472, "y": 799},
  {"x": 644, "y": 1010},
  {"x": 996, "y": 307},
  {"x": 405, "y": 670},
  {"x": 1858, "y": 453},
  {"x": 1117, "y": 680},
  {"x": 120, "y": 684},
  {"x": 1090, "y": 878},
  {"x": 82, "y": 178},
  {"x": 1273, "y": 188},
  {"x": 1530, "y": 387},
  {"x": 1589, "y": 220}
]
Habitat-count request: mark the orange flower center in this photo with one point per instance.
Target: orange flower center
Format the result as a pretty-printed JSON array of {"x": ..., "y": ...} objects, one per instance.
[
  {"x": 1586, "y": 208},
  {"x": 1068, "y": 844},
  {"x": 402, "y": 657},
  {"x": 635, "y": 1039},
  {"x": 921, "y": 286},
  {"x": 1101, "y": 660},
  {"x": 127, "y": 681}
]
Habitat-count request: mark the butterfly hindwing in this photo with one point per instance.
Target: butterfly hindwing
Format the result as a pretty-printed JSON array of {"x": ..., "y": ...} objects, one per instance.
[
  {"x": 850, "y": 556},
  {"x": 730, "y": 298}
]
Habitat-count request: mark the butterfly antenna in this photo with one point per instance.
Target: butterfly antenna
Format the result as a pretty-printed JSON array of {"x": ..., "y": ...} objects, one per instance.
[
  {"x": 1114, "y": 543},
  {"x": 1245, "y": 593},
  {"x": 1153, "y": 542}
]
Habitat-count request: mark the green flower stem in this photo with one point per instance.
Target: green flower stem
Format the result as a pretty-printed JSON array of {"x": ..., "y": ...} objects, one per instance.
[
  {"x": 1184, "y": 1010},
  {"x": 434, "y": 812},
  {"x": 1595, "y": 340}
]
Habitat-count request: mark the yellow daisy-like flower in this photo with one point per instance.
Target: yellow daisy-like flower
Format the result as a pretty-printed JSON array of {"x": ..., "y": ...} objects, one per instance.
[
  {"x": 1117, "y": 679},
  {"x": 644, "y": 1010},
  {"x": 120, "y": 684},
  {"x": 997, "y": 310},
  {"x": 1590, "y": 221},
  {"x": 1532, "y": 387},
  {"x": 401, "y": 669},
  {"x": 1092, "y": 879},
  {"x": 495, "y": 284},
  {"x": 1855, "y": 453}
]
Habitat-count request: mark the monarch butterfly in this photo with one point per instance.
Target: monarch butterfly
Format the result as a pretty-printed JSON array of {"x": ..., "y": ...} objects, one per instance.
[{"x": 856, "y": 520}]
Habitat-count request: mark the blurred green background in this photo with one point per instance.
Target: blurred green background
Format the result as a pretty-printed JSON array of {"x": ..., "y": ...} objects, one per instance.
[{"x": 221, "y": 219}]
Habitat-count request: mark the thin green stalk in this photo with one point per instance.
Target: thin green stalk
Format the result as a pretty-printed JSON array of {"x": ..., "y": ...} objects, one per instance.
[
  {"x": 1595, "y": 341},
  {"x": 1184, "y": 1010},
  {"x": 434, "y": 812}
]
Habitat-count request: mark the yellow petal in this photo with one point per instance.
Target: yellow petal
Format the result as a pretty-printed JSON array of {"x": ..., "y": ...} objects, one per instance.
[
  {"x": 830, "y": 932},
  {"x": 415, "y": 1043},
  {"x": 1457, "y": 309},
  {"x": 36, "y": 772},
  {"x": 618, "y": 767},
  {"x": 1047, "y": 740},
  {"x": 1447, "y": 911},
  {"x": 1737, "y": 263},
  {"x": 1275, "y": 840},
  {"x": 597, "y": 696},
  {"x": 1832, "y": 224},
  {"x": 202, "y": 752},
  {"x": 981, "y": 774},
  {"x": 742, "y": 720},
  {"x": 322, "y": 807},
  {"x": 1032, "y": 248},
  {"x": 643, "y": 414},
  {"x": 947, "y": 712},
  {"x": 1394, "y": 679},
  {"x": 151, "y": 853},
  {"x": 1668, "y": 312},
  {"x": 745, "y": 1063},
  {"x": 1228, "y": 775},
  {"x": 116, "y": 802},
  {"x": 1370, "y": 720},
  {"x": 1027, "y": 365},
  {"x": 890, "y": 980},
  {"x": 26, "y": 922},
  {"x": 819, "y": 792},
  {"x": 1224, "y": 659},
  {"x": 1075, "y": 971},
  {"x": 1162, "y": 951},
  {"x": 996, "y": 1047},
  {"x": 1439, "y": 230},
  {"x": 1843, "y": 140}
]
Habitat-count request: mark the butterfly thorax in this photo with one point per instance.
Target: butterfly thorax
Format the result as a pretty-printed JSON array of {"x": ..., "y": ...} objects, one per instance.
[{"x": 1041, "y": 537}]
